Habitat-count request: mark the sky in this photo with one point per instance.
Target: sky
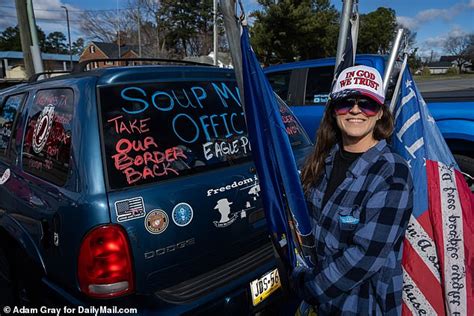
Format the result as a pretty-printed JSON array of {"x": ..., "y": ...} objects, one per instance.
[{"x": 433, "y": 20}]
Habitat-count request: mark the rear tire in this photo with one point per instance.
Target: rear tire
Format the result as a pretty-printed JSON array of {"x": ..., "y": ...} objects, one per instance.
[
  {"x": 466, "y": 164},
  {"x": 26, "y": 280},
  {"x": 6, "y": 289}
]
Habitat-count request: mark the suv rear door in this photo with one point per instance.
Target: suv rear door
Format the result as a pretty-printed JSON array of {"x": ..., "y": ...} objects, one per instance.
[{"x": 181, "y": 179}]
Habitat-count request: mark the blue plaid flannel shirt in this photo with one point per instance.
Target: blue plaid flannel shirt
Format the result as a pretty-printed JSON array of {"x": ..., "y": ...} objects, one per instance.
[{"x": 359, "y": 235}]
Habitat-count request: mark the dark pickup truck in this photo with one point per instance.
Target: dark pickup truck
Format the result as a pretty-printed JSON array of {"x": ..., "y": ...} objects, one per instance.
[{"x": 305, "y": 87}]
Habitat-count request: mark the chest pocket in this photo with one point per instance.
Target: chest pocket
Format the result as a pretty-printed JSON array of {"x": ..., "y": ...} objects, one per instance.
[
  {"x": 345, "y": 218},
  {"x": 344, "y": 224}
]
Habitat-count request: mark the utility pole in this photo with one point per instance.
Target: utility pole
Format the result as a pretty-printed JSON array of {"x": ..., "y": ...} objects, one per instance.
[
  {"x": 139, "y": 34},
  {"x": 215, "y": 32},
  {"x": 25, "y": 36},
  {"x": 118, "y": 33},
  {"x": 68, "y": 34},
  {"x": 35, "y": 48}
]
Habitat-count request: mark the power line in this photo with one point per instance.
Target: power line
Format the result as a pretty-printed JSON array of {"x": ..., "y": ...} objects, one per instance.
[
  {"x": 54, "y": 10},
  {"x": 44, "y": 19}
]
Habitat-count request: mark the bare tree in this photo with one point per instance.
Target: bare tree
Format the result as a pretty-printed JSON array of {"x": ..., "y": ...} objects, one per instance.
[
  {"x": 153, "y": 32},
  {"x": 104, "y": 26},
  {"x": 164, "y": 28},
  {"x": 460, "y": 47}
]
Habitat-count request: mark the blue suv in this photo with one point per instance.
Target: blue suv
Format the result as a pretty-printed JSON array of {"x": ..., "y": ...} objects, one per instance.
[{"x": 134, "y": 187}]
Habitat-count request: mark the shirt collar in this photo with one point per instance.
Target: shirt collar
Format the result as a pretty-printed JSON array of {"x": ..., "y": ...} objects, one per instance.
[{"x": 362, "y": 163}]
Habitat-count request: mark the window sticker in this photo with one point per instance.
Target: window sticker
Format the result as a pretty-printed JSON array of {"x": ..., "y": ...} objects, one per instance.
[
  {"x": 43, "y": 128},
  {"x": 5, "y": 176}
]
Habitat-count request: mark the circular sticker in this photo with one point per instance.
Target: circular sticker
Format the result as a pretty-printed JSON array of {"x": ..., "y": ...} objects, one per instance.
[
  {"x": 42, "y": 128},
  {"x": 156, "y": 221},
  {"x": 6, "y": 175},
  {"x": 182, "y": 214}
]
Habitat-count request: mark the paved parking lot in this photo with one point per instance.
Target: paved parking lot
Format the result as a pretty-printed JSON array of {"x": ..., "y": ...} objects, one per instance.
[{"x": 446, "y": 85}]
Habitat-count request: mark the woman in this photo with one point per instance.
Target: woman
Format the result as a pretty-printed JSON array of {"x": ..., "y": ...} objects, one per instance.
[{"x": 360, "y": 198}]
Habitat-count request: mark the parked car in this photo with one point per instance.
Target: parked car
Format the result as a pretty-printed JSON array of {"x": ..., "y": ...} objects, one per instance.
[
  {"x": 134, "y": 187},
  {"x": 305, "y": 87}
]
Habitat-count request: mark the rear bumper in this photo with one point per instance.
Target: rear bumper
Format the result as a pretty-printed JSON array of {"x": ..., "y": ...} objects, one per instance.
[{"x": 233, "y": 297}]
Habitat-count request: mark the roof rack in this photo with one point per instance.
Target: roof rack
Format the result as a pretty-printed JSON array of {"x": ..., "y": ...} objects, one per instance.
[
  {"x": 46, "y": 74},
  {"x": 81, "y": 67}
]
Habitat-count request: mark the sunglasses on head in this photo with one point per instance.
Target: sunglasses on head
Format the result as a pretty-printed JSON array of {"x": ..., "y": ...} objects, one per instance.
[{"x": 366, "y": 106}]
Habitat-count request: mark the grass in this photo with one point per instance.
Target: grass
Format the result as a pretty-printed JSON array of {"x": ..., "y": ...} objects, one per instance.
[{"x": 419, "y": 78}]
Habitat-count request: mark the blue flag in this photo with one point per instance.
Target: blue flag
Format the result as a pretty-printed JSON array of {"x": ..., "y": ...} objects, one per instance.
[
  {"x": 438, "y": 261},
  {"x": 273, "y": 156}
]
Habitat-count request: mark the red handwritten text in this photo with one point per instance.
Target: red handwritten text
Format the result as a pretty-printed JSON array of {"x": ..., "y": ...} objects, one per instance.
[{"x": 147, "y": 161}]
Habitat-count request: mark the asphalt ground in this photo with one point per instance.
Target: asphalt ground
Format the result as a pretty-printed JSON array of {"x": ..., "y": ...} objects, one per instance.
[{"x": 445, "y": 84}]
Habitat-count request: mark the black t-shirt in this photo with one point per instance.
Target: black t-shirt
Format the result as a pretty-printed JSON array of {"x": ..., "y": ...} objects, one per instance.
[{"x": 342, "y": 161}]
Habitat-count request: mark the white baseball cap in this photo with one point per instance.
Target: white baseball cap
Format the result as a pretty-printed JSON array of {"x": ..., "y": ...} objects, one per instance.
[{"x": 359, "y": 80}]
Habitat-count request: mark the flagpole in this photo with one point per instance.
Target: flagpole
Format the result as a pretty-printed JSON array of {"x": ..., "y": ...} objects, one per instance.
[
  {"x": 394, "y": 100},
  {"x": 355, "y": 29},
  {"x": 287, "y": 249},
  {"x": 341, "y": 44},
  {"x": 232, "y": 30},
  {"x": 391, "y": 61},
  {"x": 214, "y": 17}
]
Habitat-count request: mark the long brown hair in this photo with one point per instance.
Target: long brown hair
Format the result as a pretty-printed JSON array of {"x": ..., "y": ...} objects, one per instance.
[{"x": 328, "y": 135}]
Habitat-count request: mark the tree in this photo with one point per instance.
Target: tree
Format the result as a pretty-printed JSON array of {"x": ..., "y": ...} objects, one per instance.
[
  {"x": 78, "y": 46},
  {"x": 56, "y": 43},
  {"x": 104, "y": 25},
  {"x": 414, "y": 61},
  {"x": 377, "y": 31},
  {"x": 10, "y": 39},
  {"x": 461, "y": 47},
  {"x": 189, "y": 26},
  {"x": 409, "y": 36},
  {"x": 122, "y": 27},
  {"x": 291, "y": 30}
]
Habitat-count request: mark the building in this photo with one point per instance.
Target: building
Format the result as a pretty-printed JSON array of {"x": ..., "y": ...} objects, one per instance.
[
  {"x": 101, "y": 50},
  {"x": 447, "y": 62},
  {"x": 224, "y": 60},
  {"x": 12, "y": 66},
  {"x": 439, "y": 67},
  {"x": 466, "y": 64}
]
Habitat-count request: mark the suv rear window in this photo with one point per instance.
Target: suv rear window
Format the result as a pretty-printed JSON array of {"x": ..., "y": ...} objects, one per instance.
[{"x": 159, "y": 131}]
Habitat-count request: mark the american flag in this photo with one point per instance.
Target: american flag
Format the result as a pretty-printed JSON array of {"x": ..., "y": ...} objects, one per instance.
[
  {"x": 438, "y": 260},
  {"x": 127, "y": 209}
]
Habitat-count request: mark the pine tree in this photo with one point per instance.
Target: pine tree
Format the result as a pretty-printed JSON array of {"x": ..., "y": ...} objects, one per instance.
[
  {"x": 188, "y": 25},
  {"x": 289, "y": 30},
  {"x": 377, "y": 31}
]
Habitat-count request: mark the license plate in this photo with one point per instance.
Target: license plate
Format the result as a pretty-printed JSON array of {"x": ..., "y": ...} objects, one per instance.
[{"x": 262, "y": 288}]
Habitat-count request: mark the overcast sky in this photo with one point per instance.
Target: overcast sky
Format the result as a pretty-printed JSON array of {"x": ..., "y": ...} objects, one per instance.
[{"x": 433, "y": 20}]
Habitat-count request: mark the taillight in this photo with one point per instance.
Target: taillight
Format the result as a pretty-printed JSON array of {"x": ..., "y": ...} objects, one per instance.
[{"x": 105, "y": 264}]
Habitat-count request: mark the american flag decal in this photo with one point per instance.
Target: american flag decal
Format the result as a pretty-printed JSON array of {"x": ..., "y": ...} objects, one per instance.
[{"x": 129, "y": 209}]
